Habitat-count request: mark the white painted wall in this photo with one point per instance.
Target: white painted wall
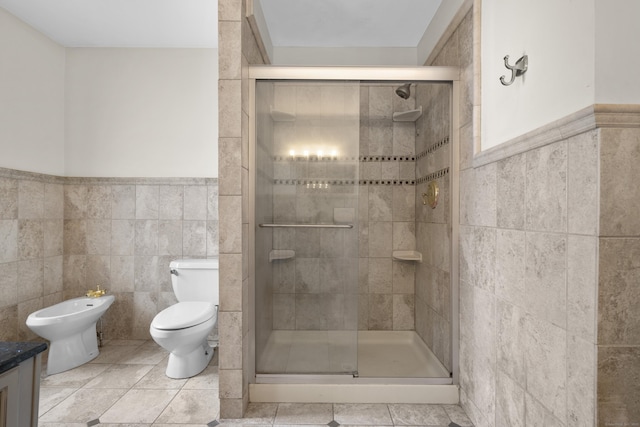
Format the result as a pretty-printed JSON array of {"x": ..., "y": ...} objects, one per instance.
[
  {"x": 617, "y": 38},
  {"x": 32, "y": 70},
  {"x": 559, "y": 37},
  {"x": 580, "y": 53},
  {"x": 141, "y": 112}
]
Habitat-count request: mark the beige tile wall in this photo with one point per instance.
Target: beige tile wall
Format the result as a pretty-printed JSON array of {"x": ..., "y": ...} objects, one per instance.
[
  {"x": 122, "y": 235},
  {"x": 63, "y": 236},
  {"x": 528, "y": 290},
  {"x": 618, "y": 326},
  {"x": 31, "y": 248},
  {"x": 527, "y": 274},
  {"x": 237, "y": 49},
  {"x": 549, "y": 317}
]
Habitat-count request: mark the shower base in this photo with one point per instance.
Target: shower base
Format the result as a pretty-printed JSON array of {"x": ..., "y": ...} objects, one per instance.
[
  {"x": 392, "y": 367},
  {"x": 382, "y": 354}
]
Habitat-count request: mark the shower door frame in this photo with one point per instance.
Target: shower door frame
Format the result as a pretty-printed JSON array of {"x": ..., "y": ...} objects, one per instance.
[{"x": 429, "y": 74}]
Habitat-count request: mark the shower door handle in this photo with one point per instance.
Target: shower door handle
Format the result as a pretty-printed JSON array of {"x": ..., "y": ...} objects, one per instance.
[{"x": 305, "y": 225}]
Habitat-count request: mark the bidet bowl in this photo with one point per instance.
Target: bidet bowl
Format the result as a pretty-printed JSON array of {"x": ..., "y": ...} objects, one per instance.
[{"x": 70, "y": 326}]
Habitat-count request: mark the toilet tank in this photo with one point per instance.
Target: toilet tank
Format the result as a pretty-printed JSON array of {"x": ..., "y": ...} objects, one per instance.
[{"x": 195, "y": 279}]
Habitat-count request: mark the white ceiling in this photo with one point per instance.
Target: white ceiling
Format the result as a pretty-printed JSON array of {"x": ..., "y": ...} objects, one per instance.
[
  {"x": 193, "y": 23},
  {"x": 348, "y": 23},
  {"x": 122, "y": 23}
]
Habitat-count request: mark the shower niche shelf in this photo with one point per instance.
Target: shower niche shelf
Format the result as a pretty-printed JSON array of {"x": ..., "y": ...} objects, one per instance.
[
  {"x": 407, "y": 116},
  {"x": 281, "y": 254},
  {"x": 282, "y": 116},
  {"x": 407, "y": 256}
]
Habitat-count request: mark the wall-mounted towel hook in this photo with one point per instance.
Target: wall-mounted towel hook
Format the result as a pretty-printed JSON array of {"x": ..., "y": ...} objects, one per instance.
[{"x": 518, "y": 69}]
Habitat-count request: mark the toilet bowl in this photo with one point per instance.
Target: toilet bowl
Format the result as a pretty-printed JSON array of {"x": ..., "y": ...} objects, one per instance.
[
  {"x": 183, "y": 328},
  {"x": 70, "y": 326}
]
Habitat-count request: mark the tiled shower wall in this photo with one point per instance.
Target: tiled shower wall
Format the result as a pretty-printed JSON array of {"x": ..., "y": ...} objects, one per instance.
[
  {"x": 62, "y": 236},
  {"x": 381, "y": 188},
  {"x": 316, "y": 290},
  {"x": 386, "y": 210},
  {"x": 433, "y": 237}
]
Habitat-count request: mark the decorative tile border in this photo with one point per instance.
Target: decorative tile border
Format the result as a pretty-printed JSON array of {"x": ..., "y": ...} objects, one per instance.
[
  {"x": 444, "y": 141},
  {"x": 387, "y": 158},
  {"x": 314, "y": 158},
  {"x": 323, "y": 183},
  {"x": 435, "y": 175}
]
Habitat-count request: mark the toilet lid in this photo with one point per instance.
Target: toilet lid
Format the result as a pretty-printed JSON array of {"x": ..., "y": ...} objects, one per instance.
[{"x": 184, "y": 315}]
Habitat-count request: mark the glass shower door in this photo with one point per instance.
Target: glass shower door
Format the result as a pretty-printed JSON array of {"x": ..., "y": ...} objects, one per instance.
[{"x": 306, "y": 257}]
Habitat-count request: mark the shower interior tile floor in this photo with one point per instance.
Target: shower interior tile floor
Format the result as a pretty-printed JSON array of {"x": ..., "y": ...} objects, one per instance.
[{"x": 126, "y": 386}]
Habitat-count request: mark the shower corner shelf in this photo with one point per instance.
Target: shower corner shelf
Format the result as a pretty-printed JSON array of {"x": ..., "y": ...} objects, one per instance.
[
  {"x": 281, "y": 254},
  {"x": 407, "y": 116},
  {"x": 407, "y": 256},
  {"x": 281, "y": 116}
]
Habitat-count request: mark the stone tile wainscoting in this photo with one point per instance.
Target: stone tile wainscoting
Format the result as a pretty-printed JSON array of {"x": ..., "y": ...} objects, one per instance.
[
  {"x": 549, "y": 318},
  {"x": 61, "y": 236}
]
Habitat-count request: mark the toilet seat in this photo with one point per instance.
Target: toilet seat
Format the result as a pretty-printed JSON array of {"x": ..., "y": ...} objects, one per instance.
[{"x": 183, "y": 315}]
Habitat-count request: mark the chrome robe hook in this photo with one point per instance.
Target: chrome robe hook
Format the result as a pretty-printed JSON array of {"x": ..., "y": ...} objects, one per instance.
[{"x": 518, "y": 69}]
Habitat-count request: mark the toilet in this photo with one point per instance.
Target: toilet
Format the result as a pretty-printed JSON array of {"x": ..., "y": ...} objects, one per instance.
[
  {"x": 183, "y": 328},
  {"x": 70, "y": 327}
]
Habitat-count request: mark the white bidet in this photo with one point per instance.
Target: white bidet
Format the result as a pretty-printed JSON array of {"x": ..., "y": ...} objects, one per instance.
[{"x": 70, "y": 326}]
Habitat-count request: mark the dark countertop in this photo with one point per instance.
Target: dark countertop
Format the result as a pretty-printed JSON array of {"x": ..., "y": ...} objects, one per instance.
[{"x": 12, "y": 353}]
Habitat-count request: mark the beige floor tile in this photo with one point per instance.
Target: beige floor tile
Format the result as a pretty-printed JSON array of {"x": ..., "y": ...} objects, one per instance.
[
  {"x": 175, "y": 425},
  {"x": 205, "y": 380},
  {"x": 114, "y": 353},
  {"x": 157, "y": 378},
  {"x": 51, "y": 396},
  {"x": 302, "y": 425},
  {"x": 62, "y": 424},
  {"x": 256, "y": 414},
  {"x": 138, "y": 406},
  {"x": 192, "y": 406},
  {"x": 146, "y": 354},
  {"x": 304, "y": 413},
  {"x": 119, "y": 376},
  {"x": 412, "y": 414},
  {"x": 362, "y": 414},
  {"x": 83, "y": 406},
  {"x": 457, "y": 415},
  {"x": 126, "y": 425},
  {"x": 75, "y": 377},
  {"x": 125, "y": 342}
]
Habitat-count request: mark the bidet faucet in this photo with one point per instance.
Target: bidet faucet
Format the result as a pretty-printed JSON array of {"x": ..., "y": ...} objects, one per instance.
[{"x": 97, "y": 293}]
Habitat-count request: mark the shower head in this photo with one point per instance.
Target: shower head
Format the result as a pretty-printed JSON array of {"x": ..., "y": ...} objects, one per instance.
[{"x": 404, "y": 91}]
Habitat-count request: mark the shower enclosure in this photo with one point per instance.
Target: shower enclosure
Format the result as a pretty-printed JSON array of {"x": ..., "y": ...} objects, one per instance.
[{"x": 355, "y": 226}]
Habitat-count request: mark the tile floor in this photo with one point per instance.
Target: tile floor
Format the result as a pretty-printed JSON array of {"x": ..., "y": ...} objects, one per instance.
[{"x": 126, "y": 386}]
